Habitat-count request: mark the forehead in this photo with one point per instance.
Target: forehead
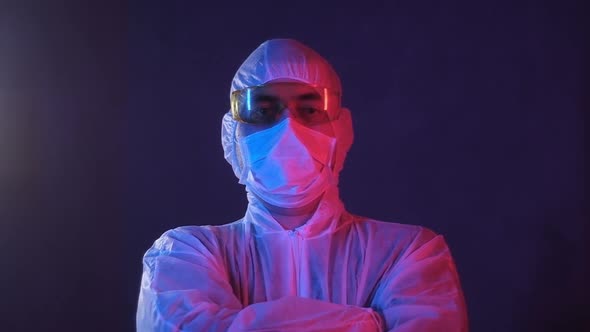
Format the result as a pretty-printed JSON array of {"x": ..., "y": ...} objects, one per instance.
[{"x": 286, "y": 89}]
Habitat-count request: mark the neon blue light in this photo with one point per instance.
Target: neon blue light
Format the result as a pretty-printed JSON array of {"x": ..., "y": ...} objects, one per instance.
[{"x": 248, "y": 99}]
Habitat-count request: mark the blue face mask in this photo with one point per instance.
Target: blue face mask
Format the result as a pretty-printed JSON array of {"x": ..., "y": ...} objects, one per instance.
[{"x": 287, "y": 165}]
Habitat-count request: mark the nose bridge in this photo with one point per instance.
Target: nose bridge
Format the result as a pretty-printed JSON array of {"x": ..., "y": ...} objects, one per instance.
[
  {"x": 289, "y": 110},
  {"x": 286, "y": 122}
]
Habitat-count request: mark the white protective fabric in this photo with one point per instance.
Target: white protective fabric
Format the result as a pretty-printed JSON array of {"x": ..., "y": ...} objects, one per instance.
[
  {"x": 285, "y": 59},
  {"x": 337, "y": 272}
]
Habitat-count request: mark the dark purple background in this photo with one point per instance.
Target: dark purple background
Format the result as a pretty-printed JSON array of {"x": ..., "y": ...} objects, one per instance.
[{"x": 469, "y": 120}]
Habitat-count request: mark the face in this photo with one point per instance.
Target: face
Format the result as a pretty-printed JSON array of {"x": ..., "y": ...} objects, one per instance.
[{"x": 299, "y": 101}]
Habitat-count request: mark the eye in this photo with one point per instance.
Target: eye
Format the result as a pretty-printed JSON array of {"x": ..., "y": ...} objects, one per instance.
[
  {"x": 312, "y": 114},
  {"x": 262, "y": 110},
  {"x": 263, "y": 114},
  {"x": 309, "y": 110}
]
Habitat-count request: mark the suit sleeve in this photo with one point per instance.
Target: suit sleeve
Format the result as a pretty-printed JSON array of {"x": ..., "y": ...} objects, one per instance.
[
  {"x": 422, "y": 292},
  {"x": 293, "y": 314},
  {"x": 184, "y": 287}
]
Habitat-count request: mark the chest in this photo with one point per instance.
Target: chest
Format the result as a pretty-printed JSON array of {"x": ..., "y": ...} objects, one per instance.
[{"x": 338, "y": 269}]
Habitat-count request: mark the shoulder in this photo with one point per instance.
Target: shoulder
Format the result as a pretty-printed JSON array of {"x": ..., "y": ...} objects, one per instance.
[
  {"x": 418, "y": 241},
  {"x": 390, "y": 228},
  {"x": 206, "y": 237},
  {"x": 387, "y": 232}
]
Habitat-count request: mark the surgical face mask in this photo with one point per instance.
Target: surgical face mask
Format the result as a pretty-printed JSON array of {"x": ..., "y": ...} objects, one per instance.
[{"x": 287, "y": 165}]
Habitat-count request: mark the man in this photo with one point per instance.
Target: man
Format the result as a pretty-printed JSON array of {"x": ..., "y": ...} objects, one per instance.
[{"x": 297, "y": 261}]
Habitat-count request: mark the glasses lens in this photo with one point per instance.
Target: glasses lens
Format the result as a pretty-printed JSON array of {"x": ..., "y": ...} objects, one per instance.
[{"x": 257, "y": 106}]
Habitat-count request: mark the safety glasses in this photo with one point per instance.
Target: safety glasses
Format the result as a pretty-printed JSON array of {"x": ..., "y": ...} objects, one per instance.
[{"x": 265, "y": 104}]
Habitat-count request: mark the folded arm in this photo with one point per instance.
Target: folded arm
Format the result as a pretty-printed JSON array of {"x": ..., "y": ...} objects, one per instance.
[
  {"x": 422, "y": 292},
  {"x": 293, "y": 314},
  {"x": 185, "y": 287}
]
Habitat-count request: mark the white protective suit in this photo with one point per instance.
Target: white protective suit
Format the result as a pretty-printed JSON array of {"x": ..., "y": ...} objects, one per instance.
[{"x": 337, "y": 272}]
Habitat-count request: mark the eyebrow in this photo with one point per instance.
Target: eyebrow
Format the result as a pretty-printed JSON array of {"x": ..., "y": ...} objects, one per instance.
[
  {"x": 309, "y": 96},
  {"x": 265, "y": 98}
]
